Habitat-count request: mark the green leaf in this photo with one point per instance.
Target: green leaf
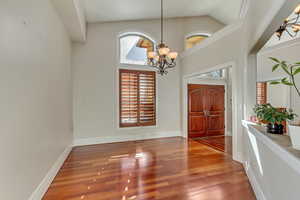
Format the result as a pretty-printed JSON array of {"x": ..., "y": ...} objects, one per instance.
[
  {"x": 275, "y": 67},
  {"x": 275, "y": 82},
  {"x": 298, "y": 63},
  {"x": 285, "y": 68},
  {"x": 274, "y": 59},
  {"x": 286, "y": 82},
  {"x": 297, "y": 71}
]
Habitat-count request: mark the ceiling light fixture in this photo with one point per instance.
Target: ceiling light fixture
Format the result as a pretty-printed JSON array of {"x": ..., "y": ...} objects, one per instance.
[
  {"x": 293, "y": 24},
  {"x": 162, "y": 59}
]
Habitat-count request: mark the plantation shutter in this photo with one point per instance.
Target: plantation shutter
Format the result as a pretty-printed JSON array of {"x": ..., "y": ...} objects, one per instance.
[
  {"x": 147, "y": 98},
  {"x": 261, "y": 93},
  {"x": 137, "y": 98}
]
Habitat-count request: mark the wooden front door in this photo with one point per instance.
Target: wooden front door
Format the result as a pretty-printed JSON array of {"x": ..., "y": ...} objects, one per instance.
[{"x": 206, "y": 110}]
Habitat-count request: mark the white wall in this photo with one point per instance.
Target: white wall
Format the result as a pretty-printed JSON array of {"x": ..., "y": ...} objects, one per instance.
[
  {"x": 278, "y": 95},
  {"x": 95, "y": 67},
  {"x": 35, "y": 98}
]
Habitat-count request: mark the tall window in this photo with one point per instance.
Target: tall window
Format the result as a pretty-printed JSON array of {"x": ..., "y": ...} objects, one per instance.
[
  {"x": 137, "y": 98},
  {"x": 193, "y": 40},
  {"x": 134, "y": 49}
]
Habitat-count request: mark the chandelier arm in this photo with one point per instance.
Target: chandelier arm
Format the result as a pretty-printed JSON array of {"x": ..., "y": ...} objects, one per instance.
[
  {"x": 297, "y": 18},
  {"x": 169, "y": 62},
  {"x": 154, "y": 66},
  {"x": 290, "y": 24},
  {"x": 171, "y": 65},
  {"x": 289, "y": 33},
  {"x": 166, "y": 62},
  {"x": 294, "y": 18},
  {"x": 151, "y": 63}
]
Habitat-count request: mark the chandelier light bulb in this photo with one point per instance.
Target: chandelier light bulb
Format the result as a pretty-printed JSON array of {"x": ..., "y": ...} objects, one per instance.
[
  {"x": 297, "y": 10},
  {"x": 278, "y": 34},
  {"x": 151, "y": 54},
  {"x": 173, "y": 55},
  {"x": 296, "y": 28},
  {"x": 163, "y": 51}
]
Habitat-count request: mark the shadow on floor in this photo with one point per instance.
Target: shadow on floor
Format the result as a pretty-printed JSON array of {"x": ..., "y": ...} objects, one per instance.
[{"x": 220, "y": 143}]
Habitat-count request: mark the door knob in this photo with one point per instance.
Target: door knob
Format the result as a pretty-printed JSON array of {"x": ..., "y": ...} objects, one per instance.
[{"x": 206, "y": 112}]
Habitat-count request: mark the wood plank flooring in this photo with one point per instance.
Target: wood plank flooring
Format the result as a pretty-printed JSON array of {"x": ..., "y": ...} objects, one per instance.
[
  {"x": 168, "y": 169},
  {"x": 221, "y": 143}
]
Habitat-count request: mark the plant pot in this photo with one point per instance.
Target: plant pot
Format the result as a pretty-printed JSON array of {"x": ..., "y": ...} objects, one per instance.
[
  {"x": 294, "y": 132},
  {"x": 275, "y": 128}
]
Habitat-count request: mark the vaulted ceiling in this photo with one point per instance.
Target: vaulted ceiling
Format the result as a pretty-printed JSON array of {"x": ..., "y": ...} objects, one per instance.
[
  {"x": 116, "y": 10},
  {"x": 76, "y": 13}
]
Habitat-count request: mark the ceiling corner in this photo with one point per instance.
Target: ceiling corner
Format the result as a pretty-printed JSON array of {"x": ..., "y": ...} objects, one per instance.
[{"x": 72, "y": 15}]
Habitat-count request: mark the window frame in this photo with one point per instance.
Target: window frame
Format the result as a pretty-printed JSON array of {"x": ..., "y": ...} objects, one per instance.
[
  {"x": 207, "y": 35},
  {"x": 127, "y": 65},
  {"x": 138, "y": 124}
]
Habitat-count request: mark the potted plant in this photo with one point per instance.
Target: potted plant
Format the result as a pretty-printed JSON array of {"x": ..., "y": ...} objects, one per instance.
[
  {"x": 273, "y": 117},
  {"x": 291, "y": 70}
]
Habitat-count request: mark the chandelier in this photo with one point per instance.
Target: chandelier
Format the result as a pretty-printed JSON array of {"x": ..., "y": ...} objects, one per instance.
[
  {"x": 290, "y": 23},
  {"x": 162, "y": 59}
]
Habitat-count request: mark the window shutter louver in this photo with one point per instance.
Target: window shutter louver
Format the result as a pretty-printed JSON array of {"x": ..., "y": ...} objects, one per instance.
[
  {"x": 261, "y": 93},
  {"x": 137, "y": 98},
  {"x": 147, "y": 98}
]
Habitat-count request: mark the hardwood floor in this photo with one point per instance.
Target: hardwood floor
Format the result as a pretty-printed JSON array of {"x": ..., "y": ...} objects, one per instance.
[
  {"x": 221, "y": 143},
  {"x": 168, "y": 169}
]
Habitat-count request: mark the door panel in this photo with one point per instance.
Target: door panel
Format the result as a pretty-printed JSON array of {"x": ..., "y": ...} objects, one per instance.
[
  {"x": 215, "y": 104},
  {"x": 197, "y": 126},
  {"x": 197, "y": 118},
  {"x": 206, "y": 110},
  {"x": 196, "y": 97},
  {"x": 215, "y": 125}
]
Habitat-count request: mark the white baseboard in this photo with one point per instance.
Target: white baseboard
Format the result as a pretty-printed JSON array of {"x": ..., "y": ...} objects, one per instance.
[
  {"x": 103, "y": 140},
  {"x": 47, "y": 180},
  {"x": 254, "y": 183}
]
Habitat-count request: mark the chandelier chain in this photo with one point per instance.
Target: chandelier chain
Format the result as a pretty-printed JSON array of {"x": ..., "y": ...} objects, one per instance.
[{"x": 162, "y": 58}]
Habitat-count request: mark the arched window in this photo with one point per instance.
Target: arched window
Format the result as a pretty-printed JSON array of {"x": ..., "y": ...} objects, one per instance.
[
  {"x": 134, "y": 48},
  {"x": 195, "y": 39}
]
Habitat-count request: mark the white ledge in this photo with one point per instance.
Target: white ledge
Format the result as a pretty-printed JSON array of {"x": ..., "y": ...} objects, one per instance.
[{"x": 280, "y": 144}]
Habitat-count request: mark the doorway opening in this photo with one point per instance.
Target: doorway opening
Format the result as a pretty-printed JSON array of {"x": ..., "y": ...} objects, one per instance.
[{"x": 210, "y": 109}]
